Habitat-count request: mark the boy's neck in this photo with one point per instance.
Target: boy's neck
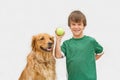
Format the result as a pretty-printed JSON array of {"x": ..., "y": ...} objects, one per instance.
[{"x": 79, "y": 36}]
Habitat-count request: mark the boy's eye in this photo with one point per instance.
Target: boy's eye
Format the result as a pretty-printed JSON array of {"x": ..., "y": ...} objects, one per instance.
[
  {"x": 79, "y": 24},
  {"x": 73, "y": 24}
]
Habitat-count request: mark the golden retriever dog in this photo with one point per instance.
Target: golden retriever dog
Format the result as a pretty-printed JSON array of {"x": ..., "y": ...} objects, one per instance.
[{"x": 40, "y": 62}]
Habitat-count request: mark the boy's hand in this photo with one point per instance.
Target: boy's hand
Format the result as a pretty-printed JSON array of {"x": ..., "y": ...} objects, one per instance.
[{"x": 59, "y": 33}]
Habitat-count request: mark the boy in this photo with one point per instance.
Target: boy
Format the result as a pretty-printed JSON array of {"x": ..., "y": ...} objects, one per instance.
[{"x": 81, "y": 51}]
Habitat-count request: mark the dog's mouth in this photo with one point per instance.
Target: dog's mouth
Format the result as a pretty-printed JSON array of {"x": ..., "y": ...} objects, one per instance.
[{"x": 48, "y": 49}]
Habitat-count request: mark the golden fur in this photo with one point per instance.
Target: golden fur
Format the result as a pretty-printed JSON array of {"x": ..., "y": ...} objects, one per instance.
[{"x": 40, "y": 62}]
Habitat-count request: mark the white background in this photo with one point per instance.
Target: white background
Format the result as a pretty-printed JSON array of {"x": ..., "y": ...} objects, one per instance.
[{"x": 21, "y": 19}]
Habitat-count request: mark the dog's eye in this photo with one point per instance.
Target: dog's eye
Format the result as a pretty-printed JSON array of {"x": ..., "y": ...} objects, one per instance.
[
  {"x": 51, "y": 38},
  {"x": 42, "y": 38}
]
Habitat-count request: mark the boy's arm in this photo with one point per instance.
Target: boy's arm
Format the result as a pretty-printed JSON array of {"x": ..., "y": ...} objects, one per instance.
[
  {"x": 97, "y": 56},
  {"x": 58, "y": 53}
]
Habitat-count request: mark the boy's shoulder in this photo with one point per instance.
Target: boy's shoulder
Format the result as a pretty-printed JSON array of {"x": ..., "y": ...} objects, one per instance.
[
  {"x": 90, "y": 37},
  {"x": 67, "y": 40}
]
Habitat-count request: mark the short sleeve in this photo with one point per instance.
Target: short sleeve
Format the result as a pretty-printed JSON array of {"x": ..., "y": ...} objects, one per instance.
[
  {"x": 63, "y": 48},
  {"x": 98, "y": 48}
]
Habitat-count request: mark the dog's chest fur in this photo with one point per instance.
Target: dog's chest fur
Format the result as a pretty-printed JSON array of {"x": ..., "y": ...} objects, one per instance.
[{"x": 42, "y": 66}]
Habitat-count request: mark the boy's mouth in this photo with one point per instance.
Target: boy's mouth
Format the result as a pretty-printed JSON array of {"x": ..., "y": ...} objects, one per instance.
[{"x": 76, "y": 30}]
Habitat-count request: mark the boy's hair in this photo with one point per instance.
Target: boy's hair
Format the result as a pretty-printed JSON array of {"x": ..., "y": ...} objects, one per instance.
[{"x": 77, "y": 16}]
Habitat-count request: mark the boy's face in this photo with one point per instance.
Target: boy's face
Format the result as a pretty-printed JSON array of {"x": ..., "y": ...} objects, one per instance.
[{"x": 77, "y": 29}]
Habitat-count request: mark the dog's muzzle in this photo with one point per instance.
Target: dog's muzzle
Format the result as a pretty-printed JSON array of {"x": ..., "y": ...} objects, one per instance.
[{"x": 49, "y": 48}]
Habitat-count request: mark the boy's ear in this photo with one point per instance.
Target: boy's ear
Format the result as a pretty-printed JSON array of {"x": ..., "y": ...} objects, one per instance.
[
  {"x": 33, "y": 43},
  {"x": 83, "y": 27}
]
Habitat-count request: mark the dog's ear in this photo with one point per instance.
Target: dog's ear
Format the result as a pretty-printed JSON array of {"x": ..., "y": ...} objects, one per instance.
[{"x": 33, "y": 43}]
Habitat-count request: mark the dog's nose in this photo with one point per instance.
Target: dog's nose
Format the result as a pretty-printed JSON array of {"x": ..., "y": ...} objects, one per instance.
[{"x": 50, "y": 43}]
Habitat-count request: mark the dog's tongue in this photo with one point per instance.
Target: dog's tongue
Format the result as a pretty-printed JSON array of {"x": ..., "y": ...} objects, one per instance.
[{"x": 49, "y": 49}]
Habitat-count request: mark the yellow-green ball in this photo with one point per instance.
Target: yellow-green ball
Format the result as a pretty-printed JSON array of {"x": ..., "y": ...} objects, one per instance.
[{"x": 59, "y": 31}]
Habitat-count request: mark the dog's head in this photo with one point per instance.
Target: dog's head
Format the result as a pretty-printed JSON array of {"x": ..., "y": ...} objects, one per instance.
[{"x": 42, "y": 42}]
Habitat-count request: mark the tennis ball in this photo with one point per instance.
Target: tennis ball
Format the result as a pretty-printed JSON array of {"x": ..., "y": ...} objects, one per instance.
[{"x": 59, "y": 31}]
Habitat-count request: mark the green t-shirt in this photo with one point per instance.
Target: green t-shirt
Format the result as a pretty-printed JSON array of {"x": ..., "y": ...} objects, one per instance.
[{"x": 80, "y": 57}]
